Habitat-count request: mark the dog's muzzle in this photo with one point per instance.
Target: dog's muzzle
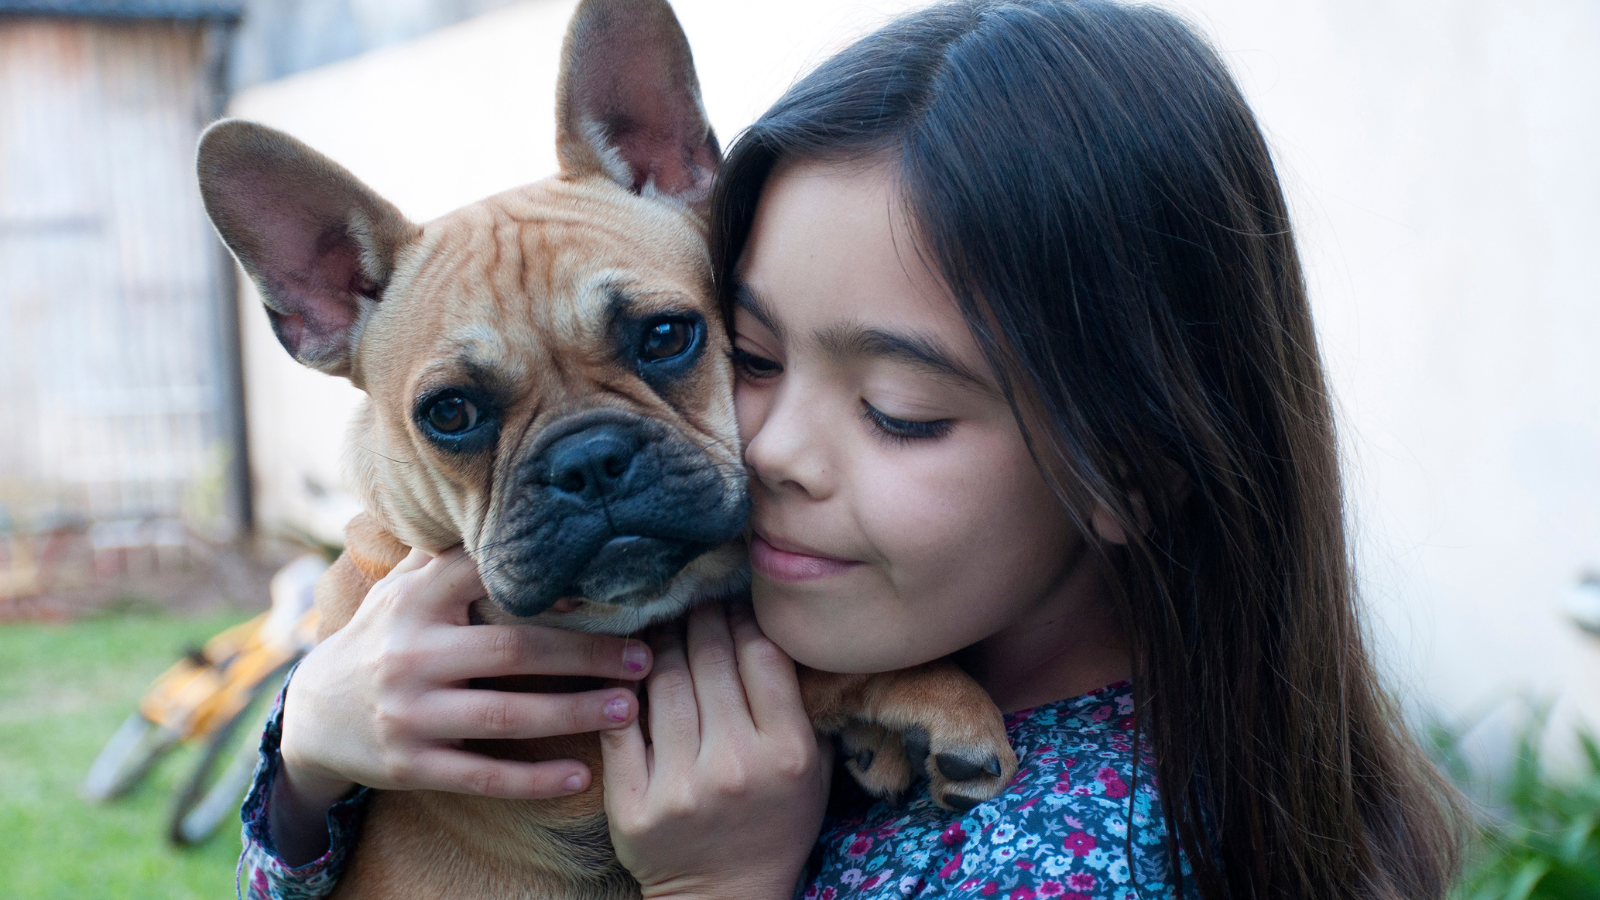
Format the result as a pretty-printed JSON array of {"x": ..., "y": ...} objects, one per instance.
[{"x": 608, "y": 507}]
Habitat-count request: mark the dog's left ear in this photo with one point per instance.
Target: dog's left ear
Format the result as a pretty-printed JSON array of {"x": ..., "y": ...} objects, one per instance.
[{"x": 628, "y": 102}]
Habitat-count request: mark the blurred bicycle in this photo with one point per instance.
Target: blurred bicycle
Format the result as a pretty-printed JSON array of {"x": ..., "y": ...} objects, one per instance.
[{"x": 216, "y": 698}]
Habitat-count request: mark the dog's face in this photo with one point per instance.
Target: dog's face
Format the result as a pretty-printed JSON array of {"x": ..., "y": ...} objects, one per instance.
[{"x": 546, "y": 369}]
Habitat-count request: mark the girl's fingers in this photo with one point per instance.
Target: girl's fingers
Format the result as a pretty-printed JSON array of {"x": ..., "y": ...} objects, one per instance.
[
  {"x": 414, "y": 560},
  {"x": 487, "y": 651},
  {"x": 456, "y": 714},
  {"x": 771, "y": 684},
  {"x": 674, "y": 715},
  {"x": 715, "y": 668},
  {"x": 447, "y": 585},
  {"x": 471, "y": 773},
  {"x": 433, "y": 588},
  {"x": 625, "y": 770}
]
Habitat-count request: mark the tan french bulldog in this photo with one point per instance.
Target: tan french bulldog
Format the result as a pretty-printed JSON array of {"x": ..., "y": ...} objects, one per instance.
[{"x": 548, "y": 384}]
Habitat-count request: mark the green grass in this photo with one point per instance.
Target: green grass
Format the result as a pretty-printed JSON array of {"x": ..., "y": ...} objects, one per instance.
[{"x": 63, "y": 690}]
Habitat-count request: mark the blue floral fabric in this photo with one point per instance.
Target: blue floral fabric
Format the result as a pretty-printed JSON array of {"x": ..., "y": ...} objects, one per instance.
[{"x": 1061, "y": 829}]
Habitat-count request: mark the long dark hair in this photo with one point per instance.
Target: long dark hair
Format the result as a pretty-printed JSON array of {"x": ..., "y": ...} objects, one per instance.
[{"x": 1093, "y": 188}]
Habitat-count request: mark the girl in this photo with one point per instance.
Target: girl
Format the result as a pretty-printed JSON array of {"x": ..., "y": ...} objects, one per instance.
[{"x": 1026, "y": 377}]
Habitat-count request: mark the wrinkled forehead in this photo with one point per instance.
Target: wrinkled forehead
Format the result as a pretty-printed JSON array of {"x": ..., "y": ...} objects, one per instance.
[{"x": 536, "y": 276}]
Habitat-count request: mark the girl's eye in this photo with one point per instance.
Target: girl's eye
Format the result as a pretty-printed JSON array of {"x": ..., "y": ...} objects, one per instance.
[
  {"x": 452, "y": 414},
  {"x": 752, "y": 366},
  {"x": 903, "y": 430}
]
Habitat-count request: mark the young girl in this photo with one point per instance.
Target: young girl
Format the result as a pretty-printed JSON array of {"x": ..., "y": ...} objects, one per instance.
[{"x": 1027, "y": 378}]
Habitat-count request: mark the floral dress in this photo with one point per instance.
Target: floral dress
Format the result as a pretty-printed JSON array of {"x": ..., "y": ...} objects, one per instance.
[{"x": 1074, "y": 824}]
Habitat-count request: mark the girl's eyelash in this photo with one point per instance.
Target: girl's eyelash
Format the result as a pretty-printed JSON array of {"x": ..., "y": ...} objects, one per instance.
[
  {"x": 901, "y": 431},
  {"x": 752, "y": 366}
]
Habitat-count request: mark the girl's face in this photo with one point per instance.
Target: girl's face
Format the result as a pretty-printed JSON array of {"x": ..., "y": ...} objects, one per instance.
[{"x": 897, "y": 514}]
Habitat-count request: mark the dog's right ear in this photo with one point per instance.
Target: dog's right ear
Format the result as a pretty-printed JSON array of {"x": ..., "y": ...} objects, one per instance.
[
  {"x": 628, "y": 102},
  {"x": 318, "y": 243}
]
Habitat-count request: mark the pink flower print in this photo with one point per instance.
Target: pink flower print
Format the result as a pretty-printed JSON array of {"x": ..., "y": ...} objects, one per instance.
[
  {"x": 1051, "y": 889},
  {"x": 954, "y": 836},
  {"x": 1100, "y": 714},
  {"x": 1022, "y": 893},
  {"x": 1125, "y": 723},
  {"x": 829, "y": 893},
  {"x": 1112, "y": 782},
  {"x": 951, "y": 867},
  {"x": 1079, "y": 842},
  {"x": 1076, "y": 895},
  {"x": 851, "y": 877},
  {"x": 811, "y": 893},
  {"x": 860, "y": 846},
  {"x": 1125, "y": 704},
  {"x": 1080, "y": 881},
  {"x": 990, "y": 889},
  {"x": 877, "y": 879}
]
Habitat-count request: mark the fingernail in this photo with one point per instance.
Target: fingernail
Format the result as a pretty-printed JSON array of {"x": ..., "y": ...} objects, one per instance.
[
  {"x": 635, "y": 656},
  {"x": 617, "y": 709},
  {"x": 573, "y": 783}
]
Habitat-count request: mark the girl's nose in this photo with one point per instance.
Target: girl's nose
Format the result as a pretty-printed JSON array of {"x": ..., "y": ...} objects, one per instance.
[{"x": 791, "y": 448}]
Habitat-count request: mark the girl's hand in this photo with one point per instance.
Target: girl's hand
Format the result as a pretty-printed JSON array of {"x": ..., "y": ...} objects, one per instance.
[
  {"x": 384, "y": 701},
  {"x": 727, "y": 798}
]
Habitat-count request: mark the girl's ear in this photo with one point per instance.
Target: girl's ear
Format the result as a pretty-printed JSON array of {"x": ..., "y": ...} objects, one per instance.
[
  {"x": 1106, "y": 526},
  {"x": 1109, "y": 529}
]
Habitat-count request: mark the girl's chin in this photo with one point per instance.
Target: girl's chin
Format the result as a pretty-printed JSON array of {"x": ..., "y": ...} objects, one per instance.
[{"x": 814, "y": 634}]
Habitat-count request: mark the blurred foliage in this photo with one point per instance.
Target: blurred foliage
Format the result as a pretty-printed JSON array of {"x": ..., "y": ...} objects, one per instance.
[{"x": 1538, "y": 830}]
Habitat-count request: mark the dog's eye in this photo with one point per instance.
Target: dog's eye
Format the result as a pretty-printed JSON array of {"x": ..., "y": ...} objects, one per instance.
[
  {"x": 665, "y": 338},
  {"x": 452, "y": 414}
]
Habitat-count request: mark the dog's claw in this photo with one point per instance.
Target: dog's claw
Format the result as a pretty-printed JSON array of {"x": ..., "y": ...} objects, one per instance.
[
  {"x": 960, "y": 803},
  {"x": 918, "y": 744},
  {"x": 955, "y": 768}
]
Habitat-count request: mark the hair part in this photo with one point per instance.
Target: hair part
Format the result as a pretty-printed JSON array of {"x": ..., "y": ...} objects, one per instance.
[{"x": 1090, "y": 183}]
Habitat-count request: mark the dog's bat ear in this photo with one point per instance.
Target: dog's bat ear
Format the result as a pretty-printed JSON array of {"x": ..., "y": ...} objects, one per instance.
[
  {"x": 318, "y": 243},
  {"x": 628, "y": 102}
]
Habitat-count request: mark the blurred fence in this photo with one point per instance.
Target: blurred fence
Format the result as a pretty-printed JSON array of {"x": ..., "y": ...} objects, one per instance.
[
  {"x": 117, "y": 356},
  {"x": 111, "y": 352}
]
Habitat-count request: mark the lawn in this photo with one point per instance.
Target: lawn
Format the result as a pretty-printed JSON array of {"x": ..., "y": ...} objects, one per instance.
[{"x": 63, "y": 690}]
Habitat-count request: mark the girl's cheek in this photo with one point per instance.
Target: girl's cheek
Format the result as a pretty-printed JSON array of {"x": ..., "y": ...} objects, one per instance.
[{"x": 750, "y": 404}]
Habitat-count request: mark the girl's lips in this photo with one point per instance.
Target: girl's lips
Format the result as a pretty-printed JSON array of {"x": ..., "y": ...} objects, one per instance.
[{"x": 786, "y": 565}]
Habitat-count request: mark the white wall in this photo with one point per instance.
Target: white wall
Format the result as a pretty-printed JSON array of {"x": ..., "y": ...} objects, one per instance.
[{"x": 1441, "y": 162}]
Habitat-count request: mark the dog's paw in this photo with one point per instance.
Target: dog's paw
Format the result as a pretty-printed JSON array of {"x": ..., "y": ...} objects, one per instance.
[
  {"x": 965, "y": 765},
  {"x": 964, "y": 756},
  {"x": 876, "y": 758}
]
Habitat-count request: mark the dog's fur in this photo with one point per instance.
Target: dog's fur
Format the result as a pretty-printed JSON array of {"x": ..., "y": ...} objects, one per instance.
[{"x": 602, "y": 487}]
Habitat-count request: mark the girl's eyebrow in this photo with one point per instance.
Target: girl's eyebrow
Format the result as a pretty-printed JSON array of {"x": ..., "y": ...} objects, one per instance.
[
  {"x": 926, "y": 353},
  {"x": 854, "y": 340},
  {"x": 745, "y": 298}
]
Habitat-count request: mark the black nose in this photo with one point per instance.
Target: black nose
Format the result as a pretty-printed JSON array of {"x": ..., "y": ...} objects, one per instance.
[{"x": 592, "y": 463}]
